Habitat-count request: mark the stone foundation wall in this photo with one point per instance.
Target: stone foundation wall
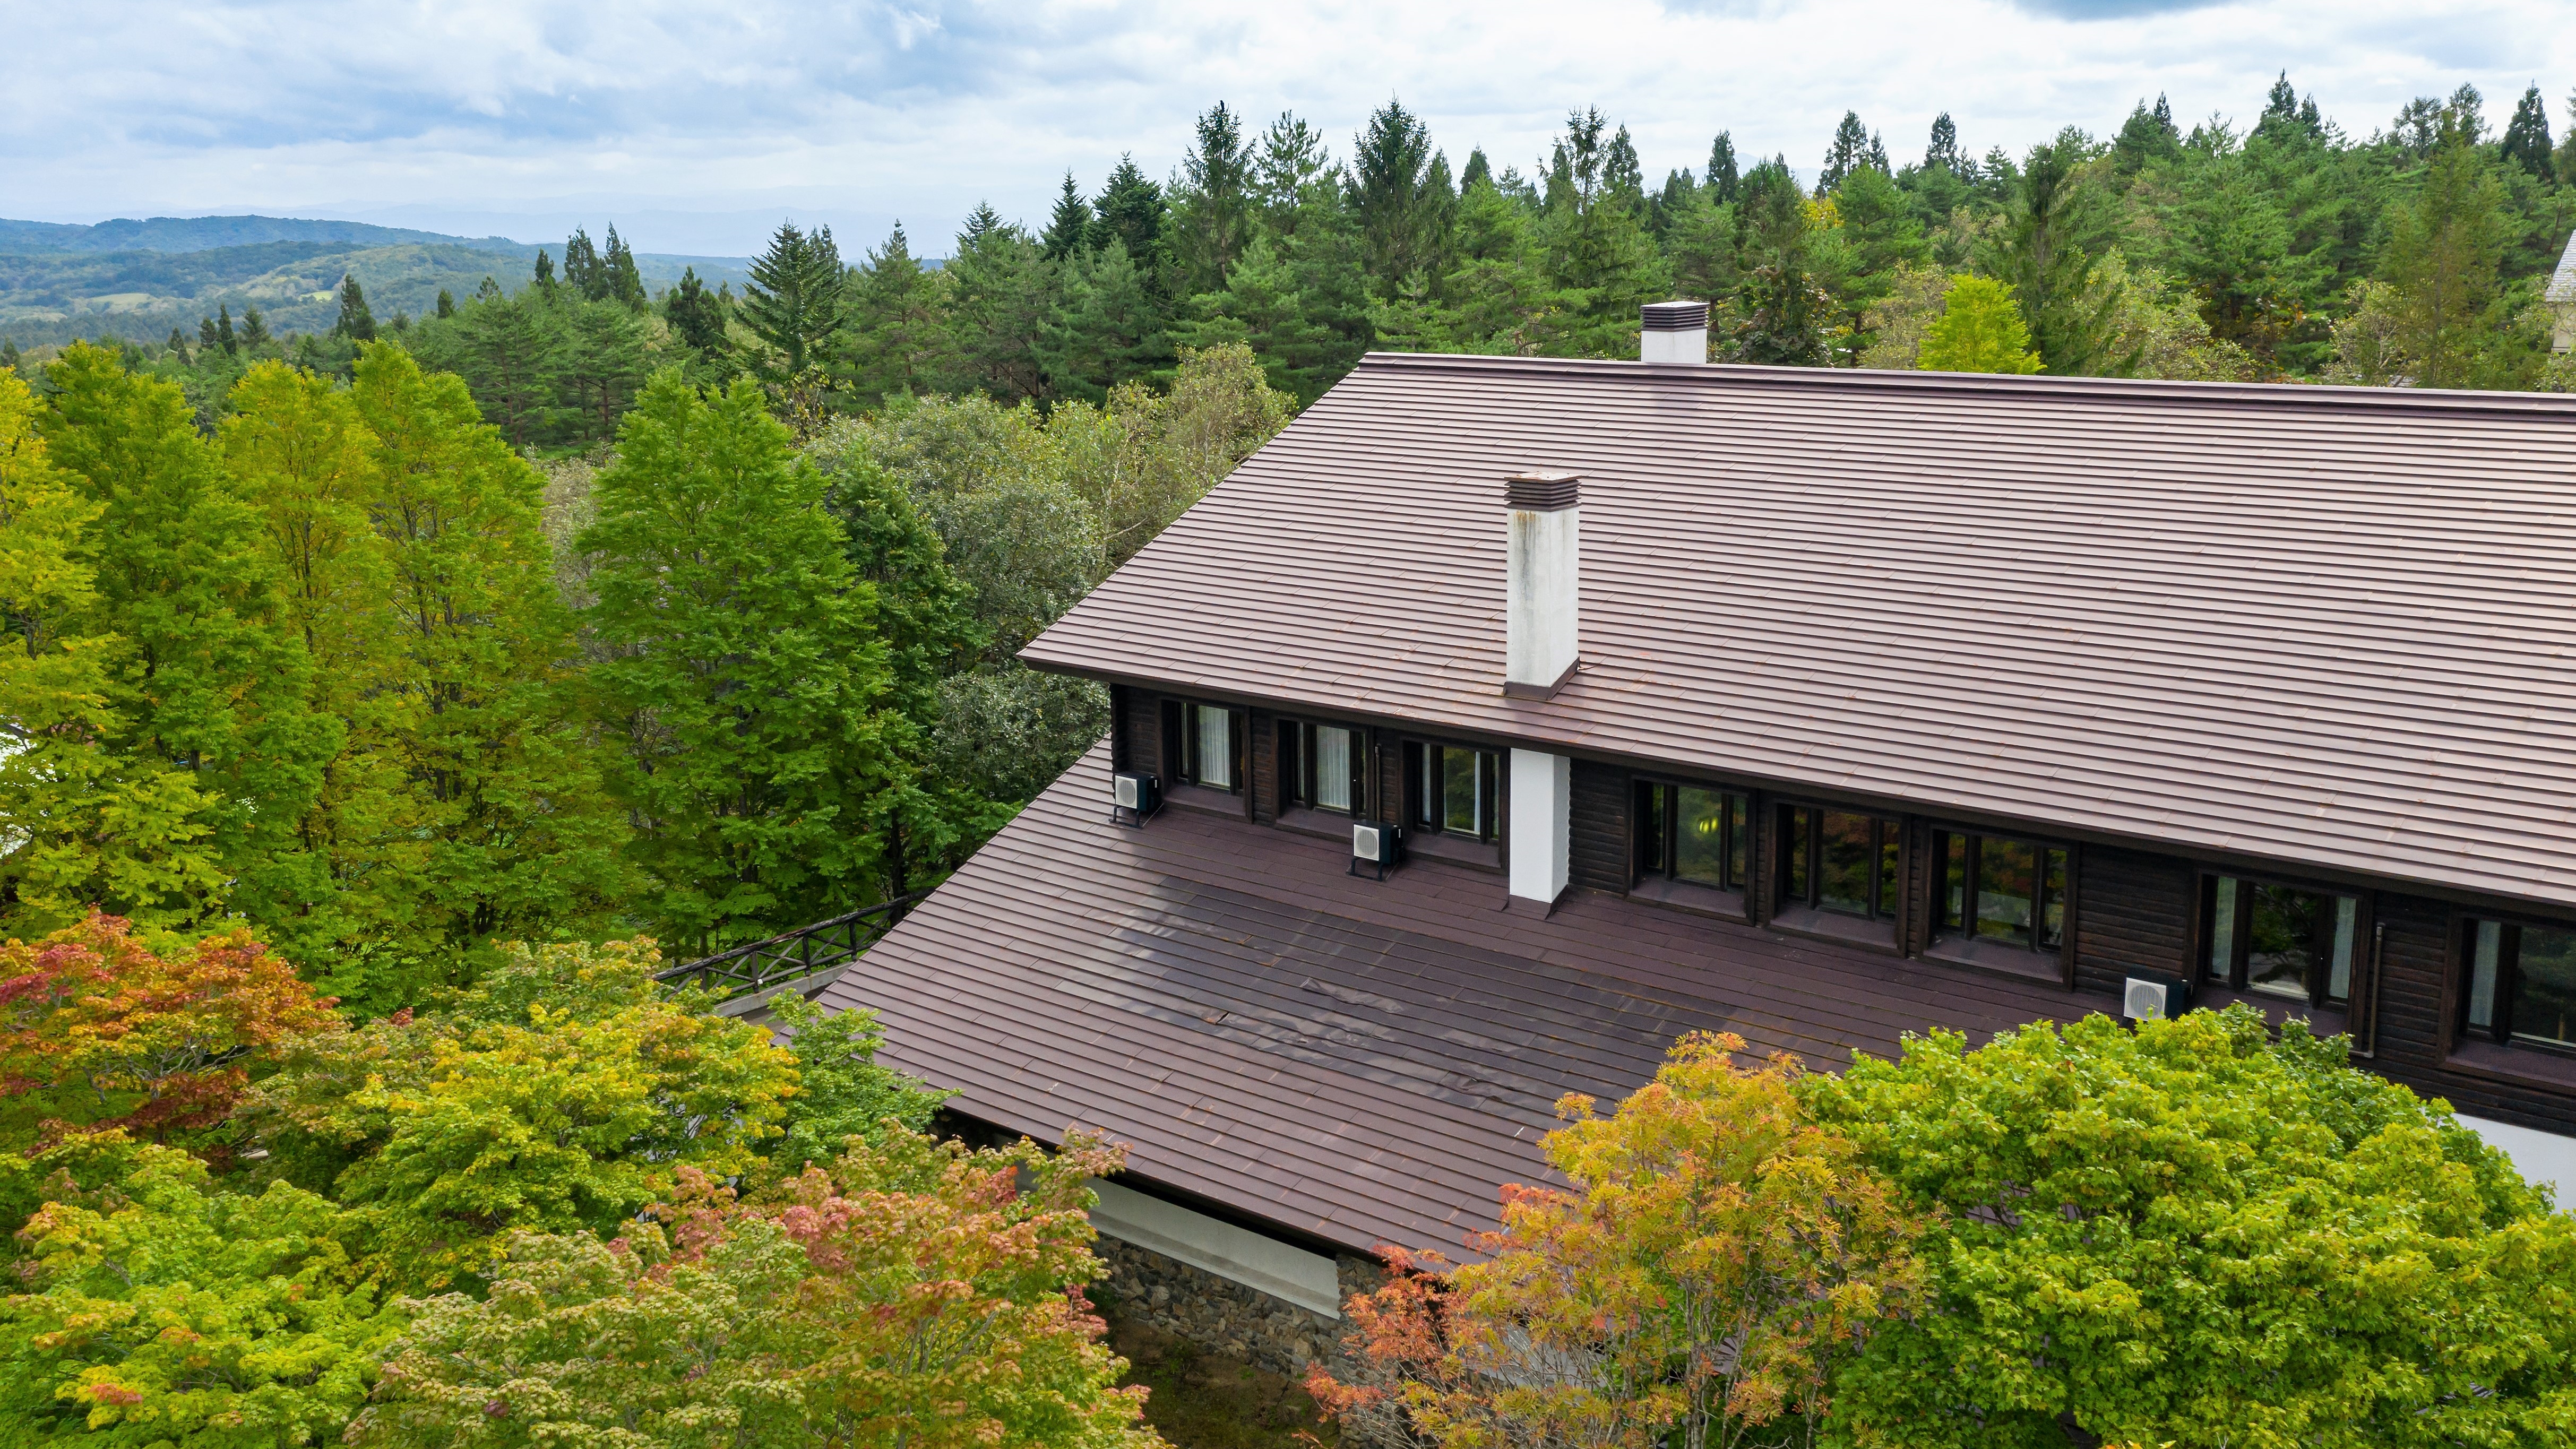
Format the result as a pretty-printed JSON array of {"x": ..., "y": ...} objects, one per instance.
[{"x": 1226, "y": 1317}]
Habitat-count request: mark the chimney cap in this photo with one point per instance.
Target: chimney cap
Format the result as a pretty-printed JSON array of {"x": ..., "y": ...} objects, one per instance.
[
  {"x": 1676, "y": 316},
  {"x": 1540, "y": 492}
]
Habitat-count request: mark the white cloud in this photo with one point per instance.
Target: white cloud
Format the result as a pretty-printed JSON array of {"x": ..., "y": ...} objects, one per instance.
[{"x": 705, "y": 122}]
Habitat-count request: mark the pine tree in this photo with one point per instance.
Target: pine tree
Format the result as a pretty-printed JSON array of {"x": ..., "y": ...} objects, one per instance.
[
  {"x": 1980, "y": 330},
  {"x": 1212, "y": 211},
  {"x": 545, "y": 275},
  {"x": 896, "y": 329},
  {"x": 1478, "y": 171},
  {"x": 356, "y": 323},
  {"x": 583, "y": 275},
  {"x": 1131, "y": 210},
  {"x": 999, "y": 289},
  {"x": 2145, "y": 137},
  {"x": 1849, "y": 151},
  {"x": 620, "y": 281},
  {"x": 509, "y": 353},
  {"x": 2040, "y": 253},
  {"x": 1623, "y": 180},
  {"x": 1403, "y": 217},
  {"x": 446, "y": 304},
  {"x": 1291, "y": 163},
  {"x": 208, "y": 339},
  {"x": 254, "y": 327},
  {"x": 1108, "y": 326},
  {"x": 2526, "y": 137},
  {"x": 1723, "y": 179},
  {"x": 177, "y": 347},
  {"x": 793, "y": 300},
  {"x": 744, "y": 678},
  {"x": 2282, "y": 104},
  {"x": 1943, "y": 151},
  {"x": 224, "y": 328},
  {"x": 695, "y": 314},
  {"x": 982, "y": 222},
  {"x": 1069, "y": 229},
  {"x": 606, "y": 353}
]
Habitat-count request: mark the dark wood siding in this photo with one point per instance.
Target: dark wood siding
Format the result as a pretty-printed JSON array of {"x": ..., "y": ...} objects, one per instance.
[
  {"x": 1600, "y": 827},
  {"x": 1266, "y": 797},
  {"x": 2132, "y": 913},
  {"x": 1140, "y": 720}
]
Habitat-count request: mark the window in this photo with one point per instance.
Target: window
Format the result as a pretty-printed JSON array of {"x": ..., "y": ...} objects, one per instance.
[
  {"x": 1996, "y": 889},
  {"x": 1453, "y": 789},
  {"x": 1327, "y": 766},
  {"x": 1208, "y": 755},
  {"x": 2279, "y": 940},
  {"x": 2522, "y": 984},
  {"x": 1838, "y": 860},
  {"x": 1693, "y": 834}
]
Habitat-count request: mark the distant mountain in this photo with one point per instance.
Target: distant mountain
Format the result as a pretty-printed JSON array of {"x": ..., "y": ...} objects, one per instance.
[
  {"x": 140, "y": 279},
  {"x": 207, "y": 233}
]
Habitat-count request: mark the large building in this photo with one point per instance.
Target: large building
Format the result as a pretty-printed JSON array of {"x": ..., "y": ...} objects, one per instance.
[{"x": 1818, "y": 706}]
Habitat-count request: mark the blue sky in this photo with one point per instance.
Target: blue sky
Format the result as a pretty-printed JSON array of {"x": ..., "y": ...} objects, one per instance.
[{"x": 696, "y": 127}]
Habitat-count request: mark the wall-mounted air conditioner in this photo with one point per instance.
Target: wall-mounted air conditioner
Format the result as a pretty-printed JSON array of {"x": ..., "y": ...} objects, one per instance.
[
  {"x": 1133, "y": 796},
  {"x": 1376, "y": 843},
  {"x": 2155, "y": 998}
]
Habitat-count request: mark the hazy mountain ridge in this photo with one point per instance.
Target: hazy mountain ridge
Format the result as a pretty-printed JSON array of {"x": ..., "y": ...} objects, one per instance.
[
  {"x": 210, "y": 233},
  {"x": 141, "y": 279}
]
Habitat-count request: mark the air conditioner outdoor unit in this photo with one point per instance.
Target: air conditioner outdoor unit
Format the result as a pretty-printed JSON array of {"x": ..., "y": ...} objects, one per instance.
[
  {"x": 1133, "y": 796},
  {"x": 1377, "y": 843},
  {"x": 2155, "y": 998}
]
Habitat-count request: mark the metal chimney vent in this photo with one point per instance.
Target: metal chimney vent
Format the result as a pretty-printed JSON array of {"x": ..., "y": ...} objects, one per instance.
[{"x": 1674, "y": 332}]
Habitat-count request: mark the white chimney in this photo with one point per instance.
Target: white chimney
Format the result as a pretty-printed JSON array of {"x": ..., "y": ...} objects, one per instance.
[
  {"x": 1675, "y": 332},
  {"x": 1545, "y": 609}
]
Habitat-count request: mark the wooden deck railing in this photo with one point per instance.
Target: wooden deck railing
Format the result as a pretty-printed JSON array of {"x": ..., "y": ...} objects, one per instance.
[{"x": 789, "y": 956}]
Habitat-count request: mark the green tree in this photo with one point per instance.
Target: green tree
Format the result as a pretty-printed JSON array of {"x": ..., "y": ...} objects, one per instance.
[
  {"x": 841, "y": 1092},
  {"x": 514, "y": 835},
  {"x": 582, "y": 272},
  {"x": 1980, "y": 330},
  {"x": 1000, "y": 288},
  {"x": 1130, "y": 212},
  {"x": 1069, "y": 229},
  {"x": 897, "y": 327},
  {"x": 604, "y": 352},
  {"x": 561, "y": 1093},
  {"x": 156, "y": 1311},
  {"x": 1212, "y": 212},
  {"x": 211, "y": 679},
  {"x": 1719, "y": 1257},
  {"x": 1400, "y": 199},
  {"x": 88, "y": 823},
  {"x": 696, "y": 317},
  {"x": 744, "y": 675},
  {"x": 624, "y": 284},
  {"x": 2444, "y": 249},
  {"x": 2526, "y": 137},
  {"x": 2195, "y": 1234},
  {"x": 1109, "y": 326},
  {"x": 356, "y": 323},
  {"x": 793, "y": 301}
]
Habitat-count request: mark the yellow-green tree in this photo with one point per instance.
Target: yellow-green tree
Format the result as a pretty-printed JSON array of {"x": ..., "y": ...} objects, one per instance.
[
  {"x": 1720, "y": 1255},
  {"x": 82, "y": 821},
  {"x": 2192, "y": 1233},
  {"x": 1980, "y": 329}
]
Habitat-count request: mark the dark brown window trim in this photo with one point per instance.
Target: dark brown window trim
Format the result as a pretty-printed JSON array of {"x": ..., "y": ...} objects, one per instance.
[
  {"x": 2367, "y": 940},
  {"x": 1409, "y": 748},
  {"x": 1868, "y": 933},
  {"x": 1772, "y": 838},
  {"x": 1682, "y": 895},
  {"x": 1967, "y": 948},
  {"x": 1289, "y": 776},
  {"x": 2524, "y": 1062},
  {"x": 2520, "y": 1065}
]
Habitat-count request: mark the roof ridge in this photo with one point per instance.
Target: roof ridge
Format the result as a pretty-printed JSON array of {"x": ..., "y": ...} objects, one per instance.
[{"x": 2297, "y": 396}]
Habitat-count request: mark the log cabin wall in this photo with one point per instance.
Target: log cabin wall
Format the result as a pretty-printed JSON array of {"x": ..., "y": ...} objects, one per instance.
[
  {"x": 2132, "y": 913},
  {"x": 1599, "y": 850}
]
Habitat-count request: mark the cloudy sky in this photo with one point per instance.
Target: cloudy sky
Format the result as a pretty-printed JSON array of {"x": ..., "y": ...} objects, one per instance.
[{"x": 696, "y": 127}]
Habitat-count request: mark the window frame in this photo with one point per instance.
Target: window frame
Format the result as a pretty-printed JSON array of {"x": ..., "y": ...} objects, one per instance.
[
  {"x": 2499, "y": 1032},
  {"x": 1181, "y": 747},
  {"x": 1884, "y": 829},
  {"x": 1297, "y": 767},
  {"x": 2237, "y": 986},
  {"x": 1740, "y": 806},
  {"x": 1940, "y": 931},
  {"x": 1418, "y": 774}
]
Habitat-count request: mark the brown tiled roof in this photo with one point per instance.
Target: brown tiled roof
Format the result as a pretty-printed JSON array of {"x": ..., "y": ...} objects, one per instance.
[
  {"x": 2317, "y": 626},
  {"x": 1363, "y": 1061}
]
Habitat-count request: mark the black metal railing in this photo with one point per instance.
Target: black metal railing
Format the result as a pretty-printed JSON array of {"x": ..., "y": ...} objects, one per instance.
[{"x": 792, "y": 955}]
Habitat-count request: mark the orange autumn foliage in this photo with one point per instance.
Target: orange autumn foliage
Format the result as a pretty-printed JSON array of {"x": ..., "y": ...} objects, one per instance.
[{"x": 107, "y": 1033}]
